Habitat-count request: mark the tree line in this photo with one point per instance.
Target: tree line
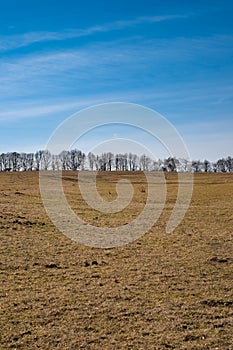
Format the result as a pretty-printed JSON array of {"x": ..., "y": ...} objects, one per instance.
[{"x": 77, "y": 160}]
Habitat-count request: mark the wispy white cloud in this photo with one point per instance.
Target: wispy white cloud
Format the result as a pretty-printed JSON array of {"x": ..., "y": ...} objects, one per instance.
[
  {"x": 111, "y": 64},
  {"x": 98, "y": 73},
  {"x": 143, "y": 20},
  {"x": 47, "y": 108},
  {"x": 186, "y": 98},
  {"x": 36, "y": 111},
  {"x": 26, "y": 39},
  {"x": 125, "y": 50},
  {"x": 40, "y": 108}
]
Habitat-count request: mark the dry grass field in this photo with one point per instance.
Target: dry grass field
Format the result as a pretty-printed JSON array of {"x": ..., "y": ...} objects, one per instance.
[{"x": 164, "y": 291}]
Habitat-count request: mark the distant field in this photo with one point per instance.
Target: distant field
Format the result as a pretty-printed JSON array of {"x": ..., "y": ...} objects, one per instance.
[{"x": 161, "y": 292}]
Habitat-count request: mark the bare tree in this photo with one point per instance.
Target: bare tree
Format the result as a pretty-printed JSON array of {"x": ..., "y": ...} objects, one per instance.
[
  {"x": 63, "y": 156},
  {"x": 98, "y": 163},
  {"x": 24, "y": 161},
  {"x": 221, "y": 165},
  {"x": 38, "y": 158},
  {"x": 184, "y": 165},
  {"x": 207, "y": 165},
  {"x": 110, "y": 161},
  {"x": 229, "y": 164},
  {"x": 145, "y": 162},
  {"x": 117, "y": 162},
  {"x": 91, "y": 160},
  {"x": 76, "y": 160},
  {"x": 5, "y": 166},
  {"x": 171, "y": 164},
  {"x": 196, "y": 165},
  {"x": 14, "y": 161},
  {"x": 121, "y": 162},
  {"x": 45, "y": 159},
  {"x": 55, "y": 162}
]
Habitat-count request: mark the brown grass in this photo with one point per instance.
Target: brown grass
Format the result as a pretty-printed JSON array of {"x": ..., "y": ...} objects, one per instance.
[{"x": 160, "y": 292}]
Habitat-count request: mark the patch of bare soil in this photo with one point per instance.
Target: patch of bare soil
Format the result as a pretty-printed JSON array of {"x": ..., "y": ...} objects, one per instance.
[{"x": 160, "y": 292}]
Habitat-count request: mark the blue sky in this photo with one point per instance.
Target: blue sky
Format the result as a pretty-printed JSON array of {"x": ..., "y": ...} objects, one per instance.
[{"x": 57, "y": 57}]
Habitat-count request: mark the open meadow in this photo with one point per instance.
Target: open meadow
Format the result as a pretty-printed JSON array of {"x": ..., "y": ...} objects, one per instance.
[{"x": 163, "y": 291}]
